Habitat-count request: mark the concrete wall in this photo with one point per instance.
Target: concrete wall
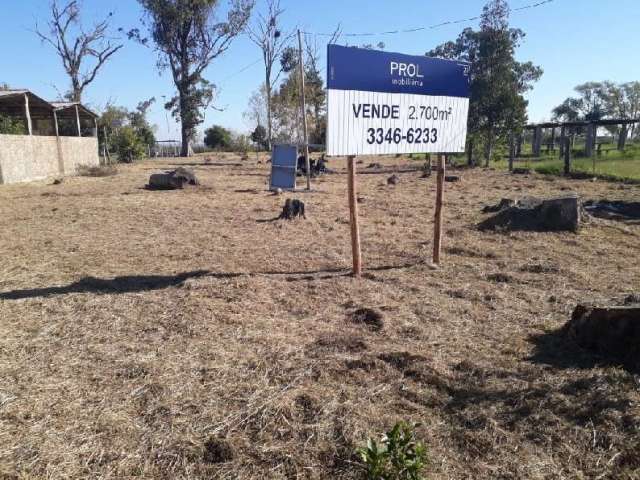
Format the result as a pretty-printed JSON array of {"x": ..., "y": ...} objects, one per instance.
[{"x": 25, "y": 158}]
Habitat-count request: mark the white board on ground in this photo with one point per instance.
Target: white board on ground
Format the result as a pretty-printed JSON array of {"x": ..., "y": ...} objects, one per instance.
[{"x": 385, "y": 103}]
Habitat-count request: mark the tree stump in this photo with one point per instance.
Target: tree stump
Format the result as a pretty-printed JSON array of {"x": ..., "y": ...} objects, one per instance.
[
  {"x": 538, "y": 215},
  {"x": 612, "y": 332},
  {"x": 293, "y": 208},
  {"x": 393, "y": 180}
]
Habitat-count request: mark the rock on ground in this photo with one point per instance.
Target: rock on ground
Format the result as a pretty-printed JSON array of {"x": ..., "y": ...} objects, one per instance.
[
  {"x": 613, "y": 332},
  {"x": 175, "y": 179},
  {"x": 541, "y": 215}
]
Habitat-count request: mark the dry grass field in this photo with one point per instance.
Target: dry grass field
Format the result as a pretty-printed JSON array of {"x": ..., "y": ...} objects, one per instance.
[{"x": 188, "y": 335}]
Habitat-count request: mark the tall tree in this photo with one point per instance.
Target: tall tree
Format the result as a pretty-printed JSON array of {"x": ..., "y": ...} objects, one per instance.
[
  {"x": 188, "y": 37},
  {"x": 497, "y": 106},
  {"x": 77, "y": 46},
  {"x": 268, "y": 36},
  {"x": 600, "y": 100},
  {"x": 632, "y": 94}
]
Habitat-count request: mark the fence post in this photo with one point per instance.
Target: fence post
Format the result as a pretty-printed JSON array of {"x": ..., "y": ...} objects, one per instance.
[
  {"x": 512, "y": 152},
  {"x": 590, "y": 140},
  {"x": 437, "y": 224},
  {"x": 567, "y": 155},
  {"x": 622, "y": 139},
  {"x": 353, "y": 216}
]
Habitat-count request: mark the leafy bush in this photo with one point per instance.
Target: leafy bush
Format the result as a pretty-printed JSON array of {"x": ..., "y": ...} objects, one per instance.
[
  {"x": 11, "y": 126},
  {"x": 259, "y": 137},
  {"x": 128, "y": 145},
  {"x": 217, "y": 137},
  {"x": 399, "y": 457}
]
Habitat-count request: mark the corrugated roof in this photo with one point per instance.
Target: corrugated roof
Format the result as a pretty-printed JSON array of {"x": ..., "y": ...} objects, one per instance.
[
  {"x": 8, "y": 93},
  {"x": 66, "y": 105},
  {"x": 51, "y": 105}
]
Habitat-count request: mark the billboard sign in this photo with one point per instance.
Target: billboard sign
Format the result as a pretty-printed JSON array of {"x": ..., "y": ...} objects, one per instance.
[{"x": 385, "y": 103}]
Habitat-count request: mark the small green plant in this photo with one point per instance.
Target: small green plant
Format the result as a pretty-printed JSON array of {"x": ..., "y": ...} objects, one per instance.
[
  {"x": 399, "y": 456},
  {"x": 128, "y": 144}
]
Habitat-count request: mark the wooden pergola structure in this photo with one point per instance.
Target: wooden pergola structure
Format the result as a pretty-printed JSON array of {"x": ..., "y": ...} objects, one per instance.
[
  {"x": 44, "y": 118},
  {"x": 591, "y": 129}
]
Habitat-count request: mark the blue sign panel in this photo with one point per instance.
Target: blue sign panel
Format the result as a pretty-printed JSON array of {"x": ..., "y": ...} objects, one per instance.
[
  {"x": 382, "y": 103},
  {"x": 284, "y": 164},
  {"x": 375, "y": 71}
]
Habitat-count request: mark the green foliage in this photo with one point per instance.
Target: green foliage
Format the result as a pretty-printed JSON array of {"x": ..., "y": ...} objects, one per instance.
[
  {"x": 286, "y": 107},
  {"x": 217, "y": 137},
  {"x": 259, "y": 137},
  {"x": 399, "y": 456},
  {"x": 12, "y": 126},
  {"x": 498, "y": 82},
  {"x": 599, "y": 100},
  {"x": 114, "y": 119},
  {"x": 128, "y": 145}
]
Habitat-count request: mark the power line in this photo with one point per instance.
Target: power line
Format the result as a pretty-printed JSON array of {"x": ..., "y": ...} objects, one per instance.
[
  {"x": 243, "y": 69},
  {"x": 427, "y": 27}
]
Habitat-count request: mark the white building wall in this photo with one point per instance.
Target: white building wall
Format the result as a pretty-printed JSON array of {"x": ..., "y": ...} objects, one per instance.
[{"x": 25, "y": 158}]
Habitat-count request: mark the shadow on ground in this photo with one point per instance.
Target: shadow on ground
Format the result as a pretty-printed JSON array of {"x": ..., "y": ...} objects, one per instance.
[
  {"x": 127, "y": 284},
  {"x": 141, "y": 283},
  {"x": 556, "y": 350}
]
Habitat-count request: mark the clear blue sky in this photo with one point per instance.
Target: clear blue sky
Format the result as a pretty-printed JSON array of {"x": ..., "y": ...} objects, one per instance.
[{"x": 572, "y": 40}]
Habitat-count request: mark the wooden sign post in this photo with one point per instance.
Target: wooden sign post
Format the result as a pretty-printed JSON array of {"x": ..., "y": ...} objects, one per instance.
[
  {"x": 353, "y": 217},
  {"x": 437, "y": 224},
  {"x": 382, "y": 103}
]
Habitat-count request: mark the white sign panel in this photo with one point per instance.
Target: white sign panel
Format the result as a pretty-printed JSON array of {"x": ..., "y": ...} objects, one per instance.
[{"x": 383, "y": 103}]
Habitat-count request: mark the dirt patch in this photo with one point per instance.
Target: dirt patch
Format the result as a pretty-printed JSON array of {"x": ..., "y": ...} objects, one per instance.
[
  {"x": 217, "y": 450},
  {"x": 310, "y": 408},
  {"x": 401, "y": 360},
  {"x": 371, "y": 318},
  {"x": 500, "y": 277},
  {"x": 539, "y": 268},
  {"x": 338, "y": 343}
]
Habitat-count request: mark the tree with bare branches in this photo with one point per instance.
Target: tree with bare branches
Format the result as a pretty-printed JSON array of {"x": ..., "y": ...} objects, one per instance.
[
  {"x": 188, "y": 37},
  {"x": 268, "y": 36},
  {"x": 76, "y": 46}
]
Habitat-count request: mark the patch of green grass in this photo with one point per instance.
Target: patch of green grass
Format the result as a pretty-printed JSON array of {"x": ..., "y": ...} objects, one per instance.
[{"x": 610, "y": 163}]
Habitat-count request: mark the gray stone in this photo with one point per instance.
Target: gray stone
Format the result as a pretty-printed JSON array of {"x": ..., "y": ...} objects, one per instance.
[{"x": 172, "y": 180}]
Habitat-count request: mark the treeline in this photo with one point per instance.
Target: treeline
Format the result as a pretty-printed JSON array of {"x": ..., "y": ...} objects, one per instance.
[
  {"x": 602, "y": 100},
  {"x": 498, "y": 82}
]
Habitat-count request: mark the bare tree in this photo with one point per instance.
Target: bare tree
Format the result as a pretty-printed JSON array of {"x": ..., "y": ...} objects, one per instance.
[
  {"x": 268, "y": 35},
  {"x": 76, "y": 46}
]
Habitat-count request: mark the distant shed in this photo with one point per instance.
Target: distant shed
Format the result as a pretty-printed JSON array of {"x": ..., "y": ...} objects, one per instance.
[{"x": 58, "y": 137}]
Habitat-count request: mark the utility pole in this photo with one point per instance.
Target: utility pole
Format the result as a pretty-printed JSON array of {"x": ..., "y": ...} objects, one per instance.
[{"x": 304, "y": 113}]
